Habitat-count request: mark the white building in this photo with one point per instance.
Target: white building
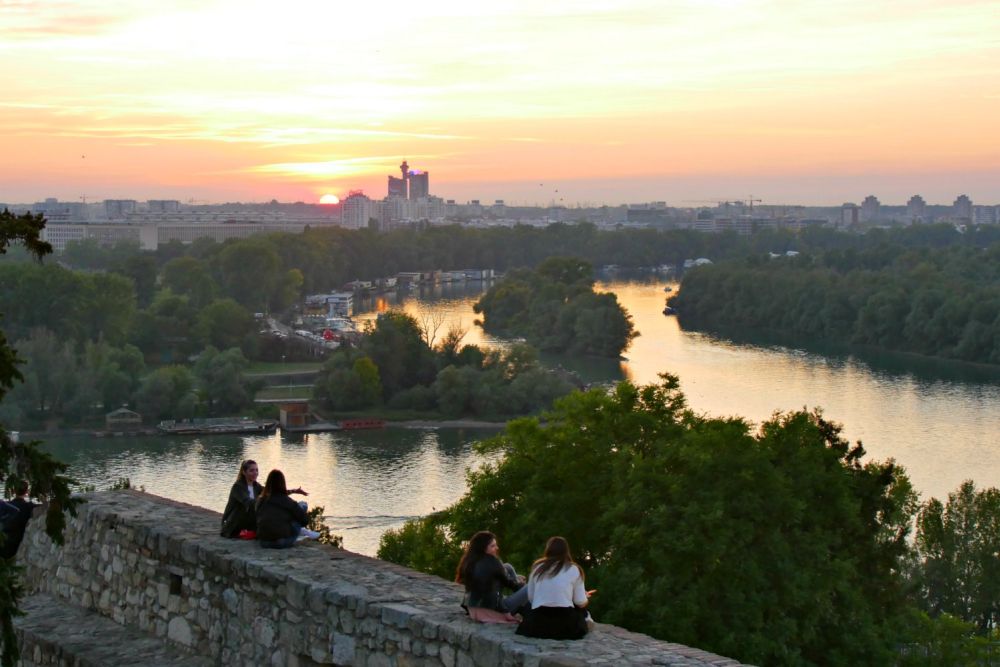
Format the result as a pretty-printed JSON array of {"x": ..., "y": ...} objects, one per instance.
[{"x": 356, "y": 210}]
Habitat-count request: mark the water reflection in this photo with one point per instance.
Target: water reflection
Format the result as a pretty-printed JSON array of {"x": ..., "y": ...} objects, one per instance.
[
  {"x": 368, "y": 481},
  {"x": 940, "y": 420}
]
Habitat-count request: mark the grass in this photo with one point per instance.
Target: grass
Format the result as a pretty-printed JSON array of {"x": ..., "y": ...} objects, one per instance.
[
  {"x": 286, "y": 392},
  {"x": 278, "y": 367}
]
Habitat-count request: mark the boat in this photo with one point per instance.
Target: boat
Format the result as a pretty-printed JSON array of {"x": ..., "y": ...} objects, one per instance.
[
  {"x": 216, "y": 426},
  {"x": 668, "y": 288},
  {"x": 669, "y": 311}
]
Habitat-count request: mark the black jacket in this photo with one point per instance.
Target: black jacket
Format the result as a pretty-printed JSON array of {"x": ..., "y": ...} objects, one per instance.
[
  {"x": 485, "y": 583},
  {"x": 275, "y": 516},
  {"x": 239, "y": 514},
  {"x": 14, "y": 526}
]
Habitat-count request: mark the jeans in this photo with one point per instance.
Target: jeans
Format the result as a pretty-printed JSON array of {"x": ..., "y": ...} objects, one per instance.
[{"x": 518, "y": 600}]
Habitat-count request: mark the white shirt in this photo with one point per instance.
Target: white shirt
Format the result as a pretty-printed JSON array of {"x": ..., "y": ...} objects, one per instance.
[
  {"x": 250, "y": 489},
  {"x": 562, "y": 590}
]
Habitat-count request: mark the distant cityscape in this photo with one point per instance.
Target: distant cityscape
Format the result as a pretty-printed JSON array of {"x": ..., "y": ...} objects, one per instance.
[{"x": 409, "y": 203}]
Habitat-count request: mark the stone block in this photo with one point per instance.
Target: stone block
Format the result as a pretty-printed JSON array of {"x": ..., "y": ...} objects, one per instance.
[{"x": 179, "y": 631}]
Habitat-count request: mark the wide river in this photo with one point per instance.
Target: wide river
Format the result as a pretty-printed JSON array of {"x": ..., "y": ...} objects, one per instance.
[{"x": 940, "y": 421}]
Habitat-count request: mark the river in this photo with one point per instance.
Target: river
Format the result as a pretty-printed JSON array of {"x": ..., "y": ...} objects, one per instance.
[{"x": 940, "y": 420}]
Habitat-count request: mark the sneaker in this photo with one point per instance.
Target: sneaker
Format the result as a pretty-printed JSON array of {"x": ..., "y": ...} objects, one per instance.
[{"x": 306, "y": 534}]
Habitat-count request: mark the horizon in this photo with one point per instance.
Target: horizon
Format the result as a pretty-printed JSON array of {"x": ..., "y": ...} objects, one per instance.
[{"x": 568, "y": 103}]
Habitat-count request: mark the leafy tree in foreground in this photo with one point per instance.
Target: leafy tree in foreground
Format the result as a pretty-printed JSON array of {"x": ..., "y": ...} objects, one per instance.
[
  {"x": 24, "y": 461},
  {"x": 773, "y": 545},
  {"x": 958, "y": 571}
]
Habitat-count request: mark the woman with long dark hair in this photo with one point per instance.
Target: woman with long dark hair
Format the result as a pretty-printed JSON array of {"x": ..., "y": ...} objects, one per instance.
[
  {"x": 485, "y": 577},
  {"x": 557, "y": 595},
  {"x": 280, "y": 520},
  {"x": 239, "y": 514}
]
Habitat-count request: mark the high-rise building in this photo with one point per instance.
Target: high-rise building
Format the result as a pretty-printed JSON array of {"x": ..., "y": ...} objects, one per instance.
[
  {"x": 419, "y": 184},
  {"x": 870, "y": 209},
  {"x": 916, "y": 209},
  {"x": 356, "y": 210},
  {"x": 848, "y": 215},
  {"x": 397, "y": 188},
  {"x": 963, "y": 208}
]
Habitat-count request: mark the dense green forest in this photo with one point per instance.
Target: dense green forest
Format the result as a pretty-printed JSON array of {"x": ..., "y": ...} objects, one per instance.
[
  {"x": 396, "y": 365},
  {"x": 775, "y": 544},
  {"x": 556, "y": 308},
  {"x": 939, "y": 301}
]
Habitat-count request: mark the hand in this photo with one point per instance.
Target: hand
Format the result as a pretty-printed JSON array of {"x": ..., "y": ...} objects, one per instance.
[
  {"x": 298, "y": 491},
  {"x": 591, "y": 592},
  {"x": 521, "y": 579}
]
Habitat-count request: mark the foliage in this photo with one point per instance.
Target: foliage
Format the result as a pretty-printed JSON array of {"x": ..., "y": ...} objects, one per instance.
[
  {"x": 421, "y": 545},
  {"x": 555, "y": 307},
  {"x": 935, "y": 301},
  {"x": 957, "y": 543},
  {"x": 943, "y": 641},
  {"x": 24, "y": 461},
  {"x": 316, "y": 522},
  {"x": 167, "y": 393},
  {"x": 776, "y": 545},
  {"x": 221, "y": 384}
]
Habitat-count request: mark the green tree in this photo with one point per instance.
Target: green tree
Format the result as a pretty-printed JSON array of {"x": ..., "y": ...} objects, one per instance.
[
  {"x": 221, "y": 384},
  {"x": 958, "y": 570},
  {"x": 190, "y": 277},
  {"x": 396, "y": 344},
  {"x": 24, "y": 461},
  {"x": 773, "y": 545},
  {"x": 224, "y": 324},
  {"x": 167, "y": 393}
]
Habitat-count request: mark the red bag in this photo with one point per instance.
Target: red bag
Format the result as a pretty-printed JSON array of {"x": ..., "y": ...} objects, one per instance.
[{"x": 248, "y": 534}]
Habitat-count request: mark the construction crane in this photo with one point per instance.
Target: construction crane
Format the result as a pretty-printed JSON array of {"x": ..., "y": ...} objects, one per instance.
[{"x": 732, "y": 201}]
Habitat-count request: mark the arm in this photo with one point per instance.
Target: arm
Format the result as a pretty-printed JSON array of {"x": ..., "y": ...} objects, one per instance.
[
  {"x": 298, "y": 514},
  {"x": 241, "y": 496},
  {"x": 580, "y": 598}
]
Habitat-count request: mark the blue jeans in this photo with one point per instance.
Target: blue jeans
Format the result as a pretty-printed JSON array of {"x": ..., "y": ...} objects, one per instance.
[{"x": 519, "y": 598}]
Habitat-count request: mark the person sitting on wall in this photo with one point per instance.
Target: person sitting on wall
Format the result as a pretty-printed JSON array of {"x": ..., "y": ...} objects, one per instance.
[
  {"x": 557, "y": 595},
  {"x": 15, "y": 523},
  {"x": 485, "y": 577},
  {"x": 240, "y": 512},
  {"x": 280, "y": 520}
]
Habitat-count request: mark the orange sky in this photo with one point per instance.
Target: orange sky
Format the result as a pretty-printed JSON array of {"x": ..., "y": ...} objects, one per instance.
[{"x": 575, "y": 101}]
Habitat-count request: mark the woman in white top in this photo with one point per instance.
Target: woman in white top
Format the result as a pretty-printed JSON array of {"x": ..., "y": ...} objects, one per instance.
[{"x": 557, "y": 595}]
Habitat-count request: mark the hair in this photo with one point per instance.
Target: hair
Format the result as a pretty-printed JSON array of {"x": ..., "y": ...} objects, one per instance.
[
  {"x": 21, "y": 488},
  {"x": 475, "y": 551},
  {"x": 275, "y": 484},
  {"x": 556, "y": 557},
  {"x": 241, "y": 475}
]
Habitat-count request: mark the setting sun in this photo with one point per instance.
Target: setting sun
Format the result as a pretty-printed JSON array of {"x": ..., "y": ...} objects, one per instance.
[{"x": 329, "y": 199}]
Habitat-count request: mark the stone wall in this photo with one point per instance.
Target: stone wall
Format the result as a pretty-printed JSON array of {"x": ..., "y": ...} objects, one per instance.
[{"x": 158, "y": 567}]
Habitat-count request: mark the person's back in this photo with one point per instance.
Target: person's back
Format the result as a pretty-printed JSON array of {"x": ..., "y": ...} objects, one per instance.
[
  {"x": 276, "y": 514},
  {"x": 563, "y": 589},
  {"x": 16, "y": 522}
]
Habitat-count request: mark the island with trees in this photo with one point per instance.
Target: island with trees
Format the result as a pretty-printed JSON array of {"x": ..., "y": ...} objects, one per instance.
[{"x": 555, "y": 307}]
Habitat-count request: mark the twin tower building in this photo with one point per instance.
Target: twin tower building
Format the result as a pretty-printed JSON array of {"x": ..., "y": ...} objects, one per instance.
[{"x": 412, "y": 184}]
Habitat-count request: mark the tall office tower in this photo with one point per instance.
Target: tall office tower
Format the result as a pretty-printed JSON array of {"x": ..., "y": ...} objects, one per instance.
[
  {"x": 119, "y": 209},
  {"x": 848, "y": 215},
  {"x": 356, "y": 210},
  {"x": 870, "y": 209},
  {"x": 916, "y": 209},
  {"x": 419, "y": 184},
  {"x": 963, "y": 207},
  {"x": 397, "y": 188}
]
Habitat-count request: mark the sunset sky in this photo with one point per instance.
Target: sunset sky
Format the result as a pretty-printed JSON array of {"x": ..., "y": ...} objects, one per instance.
[{"x": 572, "y": 101}]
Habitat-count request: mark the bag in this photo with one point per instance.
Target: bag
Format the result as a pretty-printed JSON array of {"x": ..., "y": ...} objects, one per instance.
[{"x": 248, "y": 534}]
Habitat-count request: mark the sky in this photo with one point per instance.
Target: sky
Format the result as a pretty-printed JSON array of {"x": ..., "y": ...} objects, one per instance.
[{"x": 563, "y": 101}]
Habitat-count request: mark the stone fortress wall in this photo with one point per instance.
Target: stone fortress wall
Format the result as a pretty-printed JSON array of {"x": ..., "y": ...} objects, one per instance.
[{"x": 142, "y": 580}]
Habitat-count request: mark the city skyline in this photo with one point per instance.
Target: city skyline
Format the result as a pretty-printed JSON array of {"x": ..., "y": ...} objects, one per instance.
[{"x": 566, "y": 103}]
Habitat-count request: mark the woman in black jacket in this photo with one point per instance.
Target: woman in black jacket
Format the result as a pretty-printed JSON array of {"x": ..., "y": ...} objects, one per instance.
[
  {"x": 485, "y": 577},
  {"x": 239, "y": 514},
  {"x": 281, "y": 520}
]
